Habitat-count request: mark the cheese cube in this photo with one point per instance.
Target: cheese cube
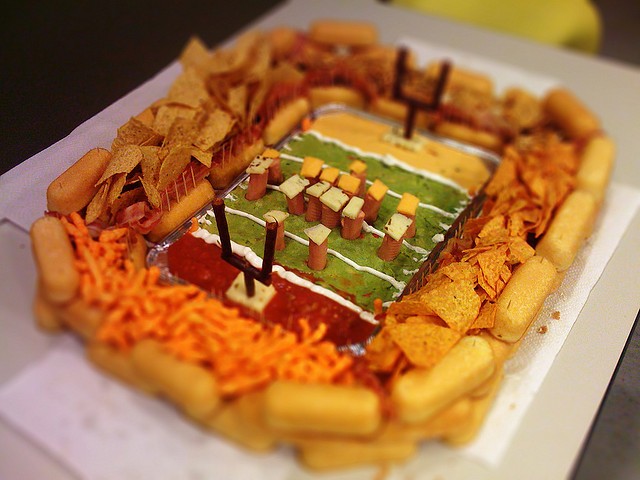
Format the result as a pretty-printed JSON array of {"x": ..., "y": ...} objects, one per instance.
[
  {"x": 261, "y": 298},
  {"x": 318, "y": 233},
  {"x": 353, "y": 208},
  {"x": 358, "y": 166},
  {"x": 397, "y": 226},
  {"x": 377, "y": 190},
  {"x": 317, "y": 189},
  {"x": 329, "y": 174},
  {"x": 259, "y": 165},
  {"x": 349, "y": 184},
  {"x": 271, "y": 153},
  {"x": 334, "y": 198},
  {"x": 293, "y": 185},
  {"x": 408, "y": 204},
  {"x": 311, "y": 167},
  {"x": 277, "y": 215}
]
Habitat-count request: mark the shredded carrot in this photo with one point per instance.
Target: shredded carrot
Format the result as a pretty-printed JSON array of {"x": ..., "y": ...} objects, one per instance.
[{"x": 241, "y": 353}]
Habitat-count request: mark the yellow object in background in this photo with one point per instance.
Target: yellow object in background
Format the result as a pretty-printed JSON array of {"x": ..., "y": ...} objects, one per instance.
[{"x": 569, "y": 23}]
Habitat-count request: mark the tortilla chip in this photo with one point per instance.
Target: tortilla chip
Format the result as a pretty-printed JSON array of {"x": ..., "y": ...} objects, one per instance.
[
  {"x": 215, "y": 129},
  {"x": 150, "y": 164},
  {"x": 123, "y": 160},
  {"x": 98, "y": 204},
  {"x": 152, "y": 193},
  {"x": 173, "y": 166},
  {"x": 188, "y": 89},
  {"x": 204, "y": 157},
  {"x": 127, "y": 198},
  {"x": 118, "y": 182},
  {"x": 167, "y": 115},
  {"x": 424, "y": 344},
  {"x": 181, "y": 135},
  {"x": 195, "y": 55},
  {"x": 135, "y": 132},
  {"x": 237, "y": 100}
]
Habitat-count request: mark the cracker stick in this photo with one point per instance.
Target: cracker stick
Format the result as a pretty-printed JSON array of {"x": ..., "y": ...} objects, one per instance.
[
  {"x": 76, "y": 186},
  {"x": 421, "y": 393},
  {"x": 118, "y": 364},
  {"x": 596, "y": 165},
  {"x": 331, "y": 454},
  {"x": 242, "y": 421},
  {"x": 523, "y": 297},
  {"x": 54, "y": 259},
  {"x": 192, "y": 387},
  {"x": 571, "y": 225},
  {"x": 182, "y": 211},
  {"x": 285, "y": 120},
  {"x": 292, "y": 407},
  {"x": 346, "y": 33},
  {"x": 570, "y": 114}
]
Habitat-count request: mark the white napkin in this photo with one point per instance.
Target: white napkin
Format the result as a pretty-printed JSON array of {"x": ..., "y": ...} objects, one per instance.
[{"x": 103, "y": 430}]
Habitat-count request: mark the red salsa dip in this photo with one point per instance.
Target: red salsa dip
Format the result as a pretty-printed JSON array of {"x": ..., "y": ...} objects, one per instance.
[{"x": 198, "y": 262}]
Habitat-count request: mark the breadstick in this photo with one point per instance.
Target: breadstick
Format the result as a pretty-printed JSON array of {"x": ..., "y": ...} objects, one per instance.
[
  {"x": 182, "y": 211},
  {"x": 118, "y": 364},
  {"x": 292, "y": 407},
  {"x": 523, "y": 297},
  {"x": 285, "y": 120},
  {"x": 54, "y": 259},
  {"x": 596, "y": 165},
  {"x": 479, "y": 410},
  {"x": 345, "y": 33},
  {"x": 571, "y": 225},
  {"x": 570, "y": 114},
  {"x": 242, "y": 421},
  {"x": 461, "y": 78},
  {"x": 467, "y": 134},
  {"x": 351, "y": 97},
  {"x": 335, "y": 453},
  {"x": 76, "y": 186},
  {"x": 82, "y": 318},
  {"x": 421, "y": 393},
  {"x": 45, "y": 313},
  {"x": 191, "y": 387}
]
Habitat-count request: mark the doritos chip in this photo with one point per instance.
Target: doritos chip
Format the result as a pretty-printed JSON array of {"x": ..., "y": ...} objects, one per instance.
[
  {"x": 382, "y": 354},
  {"x": 456, "y": 303},
  {"x": 519, "y": 251},
  {"x": 127, "y": 198},
  {"x": 424, "y": 344},
  {"x": 487, "y": 316},
  {"x": 123, "y": 160},
  {"x": 494, "y": 231}
]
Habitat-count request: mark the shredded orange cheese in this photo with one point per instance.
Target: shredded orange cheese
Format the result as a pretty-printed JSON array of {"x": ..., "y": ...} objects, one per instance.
[{"x": 241, "y": 353}]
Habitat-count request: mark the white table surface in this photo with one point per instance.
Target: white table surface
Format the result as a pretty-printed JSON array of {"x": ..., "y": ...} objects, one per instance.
[{"x": 558, "y": 422}]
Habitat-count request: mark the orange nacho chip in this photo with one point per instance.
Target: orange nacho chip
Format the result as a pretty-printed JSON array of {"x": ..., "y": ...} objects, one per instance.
[
  {"x": 424, "y": 344},
  {"x": 456, "y": 303}
]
